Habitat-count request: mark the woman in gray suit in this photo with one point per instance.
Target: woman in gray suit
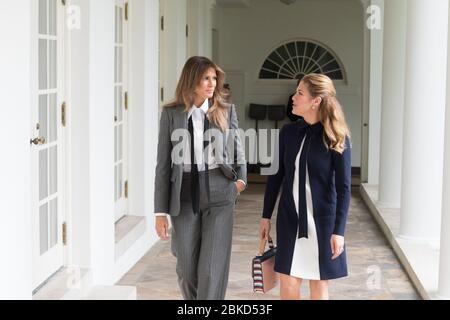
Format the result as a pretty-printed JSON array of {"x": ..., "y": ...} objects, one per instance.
[{"x": 197, "y": 186}]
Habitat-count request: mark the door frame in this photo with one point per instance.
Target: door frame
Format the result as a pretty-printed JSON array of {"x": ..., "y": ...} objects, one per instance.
[{"x": 121, "y": 207}]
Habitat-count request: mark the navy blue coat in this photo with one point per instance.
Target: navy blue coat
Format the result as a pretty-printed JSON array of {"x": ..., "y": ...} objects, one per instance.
[{"x": 330, "y": 181}]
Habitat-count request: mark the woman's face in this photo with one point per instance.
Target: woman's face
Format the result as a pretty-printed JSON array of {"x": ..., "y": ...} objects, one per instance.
[
  {"x": 303, "y": 101},
  {"x": 207, "y": 86}
]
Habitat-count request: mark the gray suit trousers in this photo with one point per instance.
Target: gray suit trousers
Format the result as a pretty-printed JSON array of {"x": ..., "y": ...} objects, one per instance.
[{"x": 202, "y": 243}]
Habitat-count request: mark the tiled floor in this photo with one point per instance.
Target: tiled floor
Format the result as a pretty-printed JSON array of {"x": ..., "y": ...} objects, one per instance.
[{"x": 374, "y": 271}]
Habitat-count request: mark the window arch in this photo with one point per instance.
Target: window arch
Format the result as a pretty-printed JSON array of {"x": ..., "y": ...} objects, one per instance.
[{"x": 295, "y": 59}]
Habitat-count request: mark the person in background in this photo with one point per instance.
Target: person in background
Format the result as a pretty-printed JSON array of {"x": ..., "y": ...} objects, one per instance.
[{"x": 227, "y": 92}]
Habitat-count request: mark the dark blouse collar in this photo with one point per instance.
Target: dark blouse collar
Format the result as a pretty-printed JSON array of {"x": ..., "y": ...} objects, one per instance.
[{"x": 303, "y": 126}]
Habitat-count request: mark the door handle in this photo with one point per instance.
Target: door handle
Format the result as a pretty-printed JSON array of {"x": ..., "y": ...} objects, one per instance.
[{"x": 37, "y": 141}]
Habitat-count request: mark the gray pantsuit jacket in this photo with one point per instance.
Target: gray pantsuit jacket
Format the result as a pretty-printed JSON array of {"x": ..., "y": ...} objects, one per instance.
[{"x": 169, "y": 175}]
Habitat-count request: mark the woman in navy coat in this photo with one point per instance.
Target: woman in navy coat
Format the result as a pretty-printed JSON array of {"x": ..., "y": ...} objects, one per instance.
[{"x": 315, "y": 173}]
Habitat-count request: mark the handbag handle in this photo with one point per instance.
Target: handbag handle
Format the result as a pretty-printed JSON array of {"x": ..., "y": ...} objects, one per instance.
[{"x": 262, "y": 245}]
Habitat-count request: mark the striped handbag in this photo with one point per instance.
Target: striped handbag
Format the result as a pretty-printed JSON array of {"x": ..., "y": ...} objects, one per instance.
[{"x": 264, "y": 276}]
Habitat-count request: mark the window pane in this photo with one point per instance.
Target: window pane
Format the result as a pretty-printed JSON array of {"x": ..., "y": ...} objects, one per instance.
[
  {"x": 295, "y": 59},
  {"x": 52, "y": 135},
  {"x": 53, "y": 64},
  {"x": 52, "y": 17},
  {"x": 301, "y": 48},
  {"x": 42, "y": 64},
  {"x": 53, "y": 222},
  {"x": 53, "y": 168},
  {"x": 43, "y": 16},
  {"x": 115, "y": 144},
  {"x": 270, "y": 66},
  {"x": 43, "y": 124},
  {"x": 43, "y": 174},
  {"x": 116, "y": 59},
  {"x": 276, "y": 58},
  {"x": 120, "y": 141},
  {"x": 267, "y": 75},
  {"x": 119, "y": 102},
  {"x": 310, "y": 49},
  {"x": 116, "y": 184},
  {"x": 43, "y": 228},
  {"x": 120, "y": 25},
  {"x": 119, "y": 64},
  {"x": 291, "y": 49},
  {"x": 283, "y": 53},
  {"x": 119, "y": 181}
]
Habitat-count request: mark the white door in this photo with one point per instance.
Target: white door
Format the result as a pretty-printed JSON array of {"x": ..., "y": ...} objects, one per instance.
[
  {"x": 120, "y": 111},
  {"x": 161, "y": 70},
  {"x": 47, "y": 139}
]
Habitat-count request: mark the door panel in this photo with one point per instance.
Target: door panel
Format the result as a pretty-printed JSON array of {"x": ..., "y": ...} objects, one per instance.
[{"x": 46, "y": 151}]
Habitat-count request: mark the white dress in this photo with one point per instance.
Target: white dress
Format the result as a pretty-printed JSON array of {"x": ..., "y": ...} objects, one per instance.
[{"x": 305, "y": 260}]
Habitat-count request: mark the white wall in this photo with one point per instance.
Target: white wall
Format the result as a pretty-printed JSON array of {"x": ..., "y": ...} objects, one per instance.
[
  {"x": 249, "y": 35},
  {"x": 15, "y": 84}
]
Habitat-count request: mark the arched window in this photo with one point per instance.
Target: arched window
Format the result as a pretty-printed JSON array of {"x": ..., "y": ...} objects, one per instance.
[{"x": 295, "y": 59}]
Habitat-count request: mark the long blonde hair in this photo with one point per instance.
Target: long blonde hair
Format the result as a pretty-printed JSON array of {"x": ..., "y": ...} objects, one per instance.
[
  {"x": 190, "y": 78},
  {"x": 330, "y": 111}
]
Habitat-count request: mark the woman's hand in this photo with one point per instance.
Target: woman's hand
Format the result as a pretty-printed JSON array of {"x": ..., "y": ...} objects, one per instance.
[
  {"x": 240, "y": 186},
  {"x": 337, "y": 245},
  {"x": 162, "y": 228},
  {"x": 264, "y": 229}
]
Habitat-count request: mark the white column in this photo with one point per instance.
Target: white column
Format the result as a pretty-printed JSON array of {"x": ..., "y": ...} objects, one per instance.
[
  {"x": 444, "y": 261},
  {"x": 15, "y": 111},
  {"x": 376, "y": 66},
  {"x": 101, "y": 145},
  {"x": 365, "y": 99},
  {"x": 426, "y": 58},
  {"x": 393, "y": 95},
  {"x": 79, "y": 245}
]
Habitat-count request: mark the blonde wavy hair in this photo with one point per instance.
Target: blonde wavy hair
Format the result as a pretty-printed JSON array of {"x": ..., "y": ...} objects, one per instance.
[
  {"x": 190, "y": 78},
  {"x": 330, "y": 111}
]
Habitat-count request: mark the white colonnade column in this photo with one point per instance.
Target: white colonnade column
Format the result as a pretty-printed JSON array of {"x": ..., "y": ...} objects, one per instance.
[
  {"x": 393, "y": 95},
  {"x": 425, "y": 90}
]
